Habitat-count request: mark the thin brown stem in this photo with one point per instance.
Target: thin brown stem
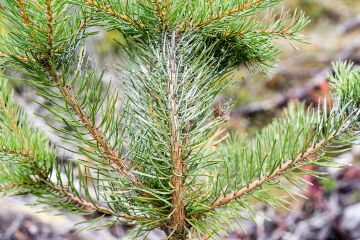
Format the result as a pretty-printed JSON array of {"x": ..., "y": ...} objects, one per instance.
[
  {"x": 177, "y": 220},
  {"x": 21, "y": 58},
  {"x": 109, "y": 11},
  {"x": 301, "y": 158},
  {"x": 10, "y": 117},
  {"x": 116, "y": 162},
  {"x": 24, "y": 16},
  {"x": 86, "y": 205},
  {"x": 50, "y": 23},
  {"x": 28, "y": 22},
  {"x": 24, "y": 153},
  {"x": 245, "y": 6},
  {"x": 23, "y": 13},
  {"x": 12, "y": 186}
]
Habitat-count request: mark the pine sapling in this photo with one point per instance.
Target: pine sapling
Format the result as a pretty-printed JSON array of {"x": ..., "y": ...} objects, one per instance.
[{"x": 147, "y": 145}]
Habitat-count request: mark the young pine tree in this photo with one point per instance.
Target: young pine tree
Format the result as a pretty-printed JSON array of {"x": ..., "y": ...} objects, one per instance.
[{"x": 157, "y": 162}]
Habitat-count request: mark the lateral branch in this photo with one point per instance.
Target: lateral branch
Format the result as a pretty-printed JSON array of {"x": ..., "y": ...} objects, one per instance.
[
  {"x": 245, "y": 6},
  {"x": 84, "y": 204},
  {"x": 117, "y": 162},
  {"x": 302, "y": 157},
  {"x": 110, "y": 12}
]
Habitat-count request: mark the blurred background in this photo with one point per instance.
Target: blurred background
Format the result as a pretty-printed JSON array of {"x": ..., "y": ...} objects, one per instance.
[{"x": 330, "y": 208}]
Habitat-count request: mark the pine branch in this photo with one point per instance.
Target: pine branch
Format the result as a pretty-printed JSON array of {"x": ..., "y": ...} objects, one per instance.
[
  {"x": 20, "y": 58},
  {"x": 48, "y": 60},
  {"x": 10, "y": 118},
  {"x": 22, "y": 154},
  {"x": 117, "y": 162},
  {"x": 301, "y": 158},
  {"x": 218, "y": 17},
  {"x": 23, "y": 13},
  {"x": 107, "y": 10},
  {"x": 86, "y": 205},
  {"x": 41, "y": 178},
  {"x": 157, "y": 162},
  {"x": 12, "y": 185}
]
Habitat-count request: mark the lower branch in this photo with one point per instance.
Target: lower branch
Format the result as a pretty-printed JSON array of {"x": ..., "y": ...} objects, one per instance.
[
  {"x": 224, "y": 199},
  {"x": 87, "y": 205},
  {"x": 42, "y": 178}
]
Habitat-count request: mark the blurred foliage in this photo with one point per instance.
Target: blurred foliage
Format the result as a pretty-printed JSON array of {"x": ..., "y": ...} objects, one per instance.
[
  {"x": 323, "y": 9},
  {"x": 109, "y": 43},
  {"x": 329, "y": 183}
]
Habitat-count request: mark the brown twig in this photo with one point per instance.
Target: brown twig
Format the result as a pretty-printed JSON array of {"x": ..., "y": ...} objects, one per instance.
[
  {"x": 11, "y": 186},
  {"x": 10, "y": 118},
  {"x": 26, "y": 20},
  {"x": 110, "y": 12},
  {"x": 21, "y": 58},
  {"x": 222, "y": 15},
  {"x": 177, "y": 220},
  {"x": 50, "y": 28},
  {"x": 86, "y": 205},
  {"x": 116, "y": 162},
  {"x": 23, "y": 13}
]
